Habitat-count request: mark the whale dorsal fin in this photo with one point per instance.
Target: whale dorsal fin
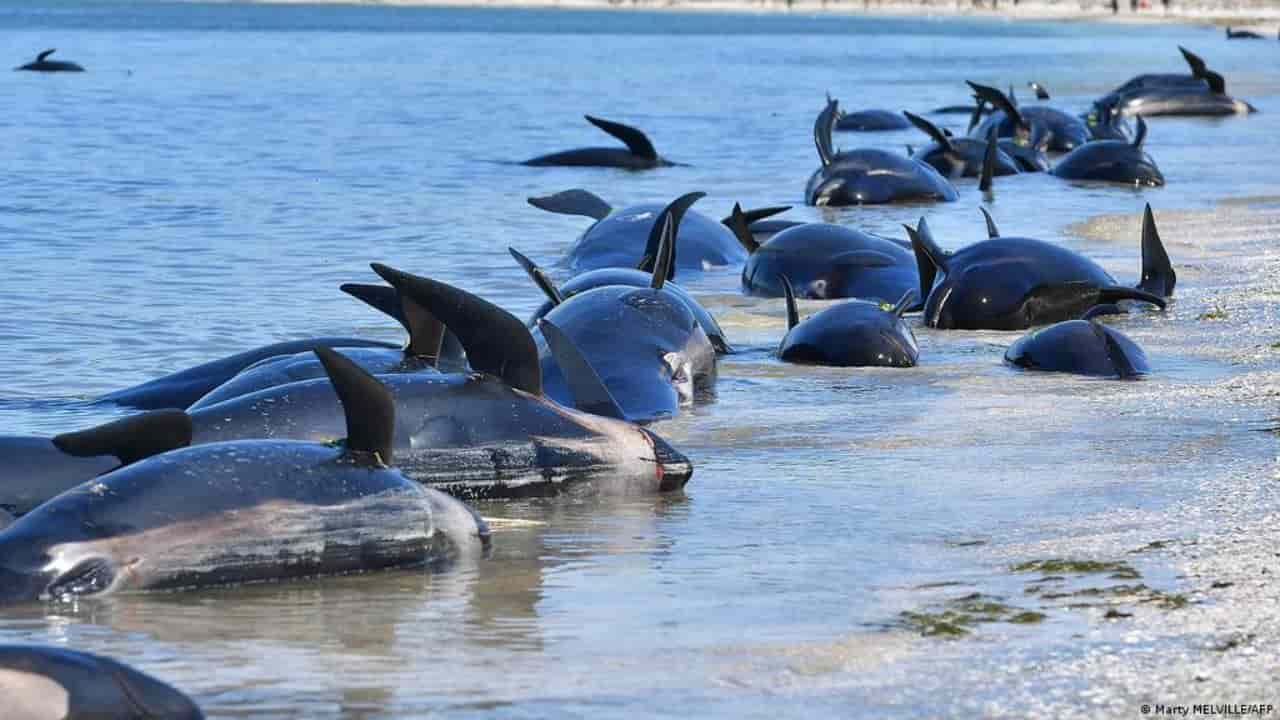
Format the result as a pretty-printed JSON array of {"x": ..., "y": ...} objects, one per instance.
[
  {"x": 1042, "y": 93},
  {"x": 904, "y": 304},
  {"x": 130, "y": 439},
  {"x": 738, "y": 223},
  {"x": 1217, "y": 83},
  {"x": 1119, "y": 360},
  {"x": 44, "y": 55},
  {"x": 495, "y": 341},
  {"x": 989, "y": 161},
  {"x": 1158, "y": 277},
  {"x": 538, "y": 276},
  {"x": 369, "y": 408},
  {"x": 573, "y": 202},
  {"x": 426, "y": 333},
  {"x": 1000, "y": 101},
  {"x": 931, "y": 130},
  {"x": 635, "y": 140},
  {"x": 653, "y": 248},
  {"x": 793, "y": 312},
  {"x": 1194, "y": 61},
  {"x": 1140, "y": 135},
  {"x": 589, "y": 392},
  {"x": 822, "y": 127},
  {"x": 992, "y": 230},
  {"x": 929, "y": 257},
  {"x": 665, "y": 263}
]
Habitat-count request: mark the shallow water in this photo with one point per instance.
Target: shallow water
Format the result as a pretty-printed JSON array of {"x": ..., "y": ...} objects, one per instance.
[{"x": 222, "y": 168}]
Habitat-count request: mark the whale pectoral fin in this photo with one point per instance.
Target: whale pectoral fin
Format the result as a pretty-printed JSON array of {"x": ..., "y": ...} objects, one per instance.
[
  {"x": 1100, "y": 310},
  {"x": 662, "y": 237},
  {"x": 635, "y": 140},
  {"x": 1119, "y": 360},
  {"x": 87, "y": 577},
  {"x": 44, "y": 55},
  {"x": 589, "y": 392},
  {"x": 130, "y": 439},
  {"x": 538, "y": 276},
  {"x": 573, "y": 202},
  {"x": 495, "y": 341},
  {"x": 741, "y": 227},
  {"x": 1158, "y": 277},
  {"x": 931, "y": 130},
  {"x": 1115, "y": 293}
]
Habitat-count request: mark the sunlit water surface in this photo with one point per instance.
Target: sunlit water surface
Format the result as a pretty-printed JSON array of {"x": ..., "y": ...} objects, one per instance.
[{"x": 222, "y": 168}]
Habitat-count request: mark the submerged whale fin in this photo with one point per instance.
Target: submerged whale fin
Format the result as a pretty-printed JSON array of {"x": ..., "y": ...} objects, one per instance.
[
  {"x": 1158, "y": 277},
  {"x": 931, "y": 130},
  {"x": 538, "y": 276},
  {"x": 822, "y": 128},
  {"x": 573, "y": 202},
  {"x": 426, "y": 333},
  {"x": 738, "y": 223},
  {"x": 369, "y": 408},
  {"x": 989, "y": 161},
  {"x": 1000, "y": 101},
  {"x": 1119, "y": 360},
  {"x": 904, "y": 303},
  {"x": 589, "y": 392},
  {"x": 44, "y": 55},
  {"x": 496, "y": 342},
  {"x": 1042, "y": 93},
  {"x": 653, "y": 248},
  {"x": 929, "y": 257},
  {"x": 757, "y": 214},
  {"x": 1140, "y": 135},
  {"x": 793, "y": 313},
  {"x": 635, "y": 140},
  {"x": 1115, "y": 293},
  {"x": 1100, "y": 310},
  {"x": 130, "y": 439},
  {"x": 992, "y": 230}
]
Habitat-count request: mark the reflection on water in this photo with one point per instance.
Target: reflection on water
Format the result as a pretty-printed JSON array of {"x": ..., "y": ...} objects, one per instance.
[{"x": 222, "y": 168}]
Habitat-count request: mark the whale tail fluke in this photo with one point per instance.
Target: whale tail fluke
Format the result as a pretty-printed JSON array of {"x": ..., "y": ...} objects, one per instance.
[
  {"x": 741, "y": 227},
  {"x": 589, "y": 392},
  {"x": 635, "y": 140},
  {"x": 573, "y": 202},
  {"x": 132, "y": 438},
  {"x": 1158, "y": 276}
]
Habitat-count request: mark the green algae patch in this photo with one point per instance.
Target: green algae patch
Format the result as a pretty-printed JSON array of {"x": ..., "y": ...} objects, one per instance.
[
  {"x": 1216, "y": 313},
  {"x": 1064, "y": 566},
  {"x": 958, "y": 616},
  {"x": 1118, "y": 594}
]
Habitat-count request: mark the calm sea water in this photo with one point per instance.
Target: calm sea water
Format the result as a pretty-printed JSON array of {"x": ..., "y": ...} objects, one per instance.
[{"x": 223, "y": 167}]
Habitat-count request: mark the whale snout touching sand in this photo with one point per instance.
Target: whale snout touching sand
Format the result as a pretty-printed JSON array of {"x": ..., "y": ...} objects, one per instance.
[{"x": 42, "y": 63}]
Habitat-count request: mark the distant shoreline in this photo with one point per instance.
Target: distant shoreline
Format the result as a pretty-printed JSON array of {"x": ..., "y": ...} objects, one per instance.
[{"x": 1256, "y": 15}]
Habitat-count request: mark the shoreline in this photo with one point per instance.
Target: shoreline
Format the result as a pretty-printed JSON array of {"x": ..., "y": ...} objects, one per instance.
[{"x": 1264, "y": 18}]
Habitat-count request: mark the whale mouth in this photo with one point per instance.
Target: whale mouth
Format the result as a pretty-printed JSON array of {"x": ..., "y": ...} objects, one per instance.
[{"x": 674, "y": 467}]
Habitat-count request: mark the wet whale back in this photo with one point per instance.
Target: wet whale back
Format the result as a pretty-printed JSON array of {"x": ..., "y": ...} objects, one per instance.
[{"x": 619, "y": 240}]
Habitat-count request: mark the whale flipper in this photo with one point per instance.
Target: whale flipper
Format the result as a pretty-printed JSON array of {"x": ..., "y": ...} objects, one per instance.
[
  {"x": 496, "y": 342},
  {"x": 992, "y": 230},
  {"x": 573, "y": 202},
  {"x": 130, "y": 439},
  {"x": 635, "y": 140},
  {"x": 793, "y": 313},
  {"x": 44, "y": 55},
  {"x": 1158, "y": 277},
  {"x": 538, "y": 276},
  {"x": 368, "y": 406},
  {"x": 1115, "y": 293},
  {"x": 589, "y": 392},
  {"x": 653, "y": 251},
  {"x": 741, "y": 227}
]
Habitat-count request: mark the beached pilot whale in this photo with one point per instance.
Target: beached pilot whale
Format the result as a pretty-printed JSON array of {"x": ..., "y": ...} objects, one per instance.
[
  {"x": 959, "y": 157},
  {"x": 487, "y": 433},
  {"x": 41, "y": 682},
  {"x": 867, "y": 176},
  {"x": 42, "y": 63},
  {"x": 871, "y": 121},
  {"x": 639, "y": 155},
  {"x": 1064, "y": 131},
  {"x": 856, "y": 333},
  {"x": 425, "y": 350},
  {"x": 1013, "y": 283},
  {"x": 243, "y": 511},
  {"x": 1243, "y": 34},
  {"x": 1203, "y": 92},
  {"x": 1117, "y": 161},
  {"x": 623, "y": 237},
  {"x": 643, "y": 343},
  {"x": 825, "y": 262},
  {"x": 1082, "y": 347}
]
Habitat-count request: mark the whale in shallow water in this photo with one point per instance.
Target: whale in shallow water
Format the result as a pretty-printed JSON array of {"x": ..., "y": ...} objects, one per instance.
[
  {"x": 1203, "y": 92},
  {"x": 1013, "y": 283},
  {"x": 960, "y": 157},
  {"x": 868, "y": 176},
  {"x": 639, "y": 154},
  {"x": 42, "y": 63},
  {"x": 871, "y": 121},
  {"x": 855, "y": 333},
  {"x": 1242, "y": 34},
  {"x": 56, "y": 683},
  {"x": 1117, "y": 161},
  {"x": 1063, "y": 131},
  {"x": 1082, "y": 347},
  {"x": 242, "y": 511}
]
